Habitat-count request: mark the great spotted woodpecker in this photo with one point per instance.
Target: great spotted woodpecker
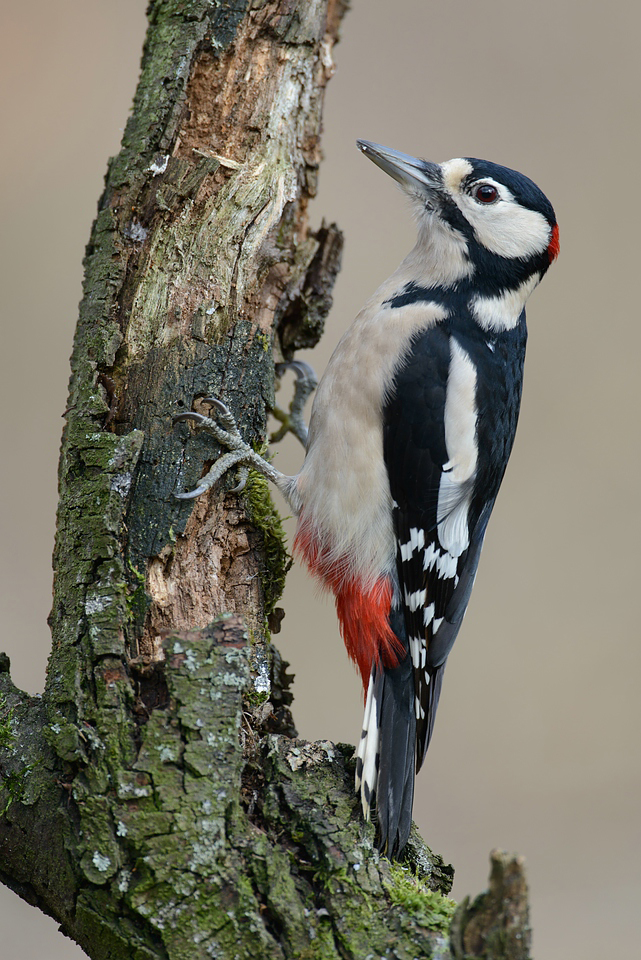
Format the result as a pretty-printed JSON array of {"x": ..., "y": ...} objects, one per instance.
[{"x": 410, "y": 434}]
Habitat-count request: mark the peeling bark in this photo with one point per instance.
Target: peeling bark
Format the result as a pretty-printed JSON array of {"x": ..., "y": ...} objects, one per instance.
[{"x": 155, "y": 800}]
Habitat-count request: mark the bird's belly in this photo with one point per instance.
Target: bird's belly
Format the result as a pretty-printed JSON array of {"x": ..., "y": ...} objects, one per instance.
[{"x": 347, "y": 509}]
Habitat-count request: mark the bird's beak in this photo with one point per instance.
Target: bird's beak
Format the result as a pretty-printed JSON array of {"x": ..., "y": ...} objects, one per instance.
[{"x": 413, "y": 174}]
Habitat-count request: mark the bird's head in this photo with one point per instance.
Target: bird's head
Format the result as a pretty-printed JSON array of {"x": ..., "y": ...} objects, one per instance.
[{"x": 497, "y": 219}]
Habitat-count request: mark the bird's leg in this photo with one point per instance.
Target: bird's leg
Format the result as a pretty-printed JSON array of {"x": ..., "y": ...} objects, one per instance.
[
  {"x": 293, "y": 422},
  {"x": 223, "y": 426}
]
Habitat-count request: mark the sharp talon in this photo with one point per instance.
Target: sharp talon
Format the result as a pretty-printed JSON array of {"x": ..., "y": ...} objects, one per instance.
[
  {"x": 219, "y": 406},
  {"x": 224, "y": 415},
  {"x": 302, "y": 370},
  {"x": 192, "y": 494},
  {"x": 224, "y": 463},
  {"x": 243, "y": 474},
  {"x": 189, "y": 415}
]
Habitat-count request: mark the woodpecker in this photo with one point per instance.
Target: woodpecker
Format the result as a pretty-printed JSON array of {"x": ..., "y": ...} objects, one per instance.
[{"x": 410, "y": 433}]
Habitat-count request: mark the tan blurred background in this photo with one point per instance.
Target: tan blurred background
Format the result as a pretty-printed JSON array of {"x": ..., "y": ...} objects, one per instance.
[{"x": 537, "y": 740}]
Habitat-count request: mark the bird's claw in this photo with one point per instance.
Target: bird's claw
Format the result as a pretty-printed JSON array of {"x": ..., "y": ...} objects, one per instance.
[
  {"x": 222, "y": 425},
  {"x": 192, "y": 494},
  {"x": 239, "y": 453},
  {"x": 302, "y": 370},
  {"x": 224, "y": 428},
  {"x": 292, "y": 421},
  {"x": 243, "y": 474},
  {"x": 224, "y": 415},
  {"x": 198, "y": 418}
]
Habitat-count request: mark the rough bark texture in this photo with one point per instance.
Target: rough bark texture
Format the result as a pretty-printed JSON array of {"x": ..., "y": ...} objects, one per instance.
[{"x": 155, "y": 800}]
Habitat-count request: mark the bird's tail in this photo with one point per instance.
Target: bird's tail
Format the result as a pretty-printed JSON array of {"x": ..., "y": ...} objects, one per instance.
[{"x": 385, "y": 759}]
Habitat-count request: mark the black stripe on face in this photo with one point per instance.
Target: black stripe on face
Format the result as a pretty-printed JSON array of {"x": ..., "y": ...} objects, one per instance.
[{"x": 451, "y": 214}]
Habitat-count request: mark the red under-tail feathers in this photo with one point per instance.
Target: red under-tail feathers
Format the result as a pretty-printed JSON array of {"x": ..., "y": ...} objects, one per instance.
[{"x": 363, "y": 611}]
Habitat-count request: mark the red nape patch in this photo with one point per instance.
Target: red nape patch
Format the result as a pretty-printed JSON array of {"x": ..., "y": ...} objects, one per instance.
[
  {"x": 554, "y": 245},
  {"x": 363, "y": 612}
]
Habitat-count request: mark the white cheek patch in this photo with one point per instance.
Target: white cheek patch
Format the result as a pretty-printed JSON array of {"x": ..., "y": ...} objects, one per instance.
[
  {"x": 505, "y": 227},
  {"x": 503, "y": 312}
]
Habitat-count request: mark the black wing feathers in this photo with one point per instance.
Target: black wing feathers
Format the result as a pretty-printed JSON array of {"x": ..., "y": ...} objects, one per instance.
[{"x": 415, "y": 453}]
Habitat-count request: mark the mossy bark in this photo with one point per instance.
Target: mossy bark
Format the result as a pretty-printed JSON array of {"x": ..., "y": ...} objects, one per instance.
[{"x": 155, "y": 800}]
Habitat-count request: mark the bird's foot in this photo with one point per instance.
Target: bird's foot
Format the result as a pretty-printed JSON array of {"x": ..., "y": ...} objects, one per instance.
[
  {"x": 223, "y": 426},
  {"x": 292, "y": 421}
]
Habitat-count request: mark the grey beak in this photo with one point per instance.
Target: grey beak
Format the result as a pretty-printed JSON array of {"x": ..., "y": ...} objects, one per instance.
[{"x": 411, "y": 172}]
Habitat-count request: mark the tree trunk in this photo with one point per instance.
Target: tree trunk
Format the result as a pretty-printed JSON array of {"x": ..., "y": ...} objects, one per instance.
[{"x": 155, "y": 800}]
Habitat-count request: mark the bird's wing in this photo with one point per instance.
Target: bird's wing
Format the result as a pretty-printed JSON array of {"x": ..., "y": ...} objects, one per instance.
[{"x": 429, "y": 445}]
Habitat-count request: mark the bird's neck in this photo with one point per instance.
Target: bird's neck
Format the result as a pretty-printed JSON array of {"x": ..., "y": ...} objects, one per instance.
[{"x": 443, "y": 269}]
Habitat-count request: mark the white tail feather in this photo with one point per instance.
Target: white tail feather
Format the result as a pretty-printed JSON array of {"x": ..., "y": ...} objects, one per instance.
[{"x": 367, "y": 752}]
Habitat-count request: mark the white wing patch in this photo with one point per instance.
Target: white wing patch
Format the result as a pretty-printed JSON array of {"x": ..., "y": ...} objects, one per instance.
[
  {"x": 431, "y": 555},
  {"x": 416, "y": 599},
  {"x": 444, "y": 561},
  {"x": 428, "y": 615},
  {"x": 453, "y": 505},
  {"x": 462, "y": 450},
  {"x": 418, "y": 651},
  {"x": 415, "y": 542}
]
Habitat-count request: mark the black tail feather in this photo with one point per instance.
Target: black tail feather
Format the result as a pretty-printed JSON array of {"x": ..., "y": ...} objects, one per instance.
[
  {"x": 394, "y": 691},
  {"x": 433, "y": 695}
]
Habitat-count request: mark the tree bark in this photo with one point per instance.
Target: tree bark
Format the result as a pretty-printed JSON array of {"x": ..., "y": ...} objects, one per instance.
[{"x": 155, "y": 800}]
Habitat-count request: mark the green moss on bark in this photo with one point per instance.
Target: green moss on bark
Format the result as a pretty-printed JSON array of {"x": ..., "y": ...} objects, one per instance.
[
  {"x": 266, "y": 519},
  {"x": 428, "y": 907}
]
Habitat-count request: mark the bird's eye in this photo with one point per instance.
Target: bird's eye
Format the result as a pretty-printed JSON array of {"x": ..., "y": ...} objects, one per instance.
[{"x": 486, "y": 193}]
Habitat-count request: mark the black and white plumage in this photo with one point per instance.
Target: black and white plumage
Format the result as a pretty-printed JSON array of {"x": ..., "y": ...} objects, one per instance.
[
  {"x": 449, "y": 417},
  {"x": 410, "y": 434}
]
